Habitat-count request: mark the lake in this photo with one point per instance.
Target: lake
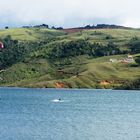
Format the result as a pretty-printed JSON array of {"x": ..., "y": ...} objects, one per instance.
[{"x": 37, "y": 114}]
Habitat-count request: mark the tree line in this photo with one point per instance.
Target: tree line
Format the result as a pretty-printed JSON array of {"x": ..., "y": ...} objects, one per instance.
[
  {"x": 81, "y": 47},
  {"x": 15, "y": 51}
]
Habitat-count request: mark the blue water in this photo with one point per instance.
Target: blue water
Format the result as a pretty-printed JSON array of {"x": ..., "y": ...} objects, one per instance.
[{"x": 31, "y": 114}]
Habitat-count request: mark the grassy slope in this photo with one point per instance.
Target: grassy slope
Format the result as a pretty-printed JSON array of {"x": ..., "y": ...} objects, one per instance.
[
  {"x": 118, "y": 35},
  {"x": 43, "y": 73},
  {"x": 30, "y": 34},
  {"x": 91, "y": 73}
]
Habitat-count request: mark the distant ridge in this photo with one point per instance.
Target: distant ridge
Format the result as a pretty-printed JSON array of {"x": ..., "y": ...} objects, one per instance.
[{"x": 98, "y": 26}]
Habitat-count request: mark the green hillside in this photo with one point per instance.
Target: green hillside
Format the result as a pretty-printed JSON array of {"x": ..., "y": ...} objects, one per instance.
[
  {"x": 30, "y": 34},
  {"x": 46, "y": 58}
]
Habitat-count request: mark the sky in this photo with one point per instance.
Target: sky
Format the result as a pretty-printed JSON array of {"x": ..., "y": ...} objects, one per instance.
[{"x": 69, "y": 13}]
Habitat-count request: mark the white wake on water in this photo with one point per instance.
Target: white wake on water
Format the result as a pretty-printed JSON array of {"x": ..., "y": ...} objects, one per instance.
[{"x": 58, "y": 101}]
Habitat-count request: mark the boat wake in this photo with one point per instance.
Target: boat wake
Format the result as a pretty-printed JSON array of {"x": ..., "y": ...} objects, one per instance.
[{"x": 58, "y": 101}]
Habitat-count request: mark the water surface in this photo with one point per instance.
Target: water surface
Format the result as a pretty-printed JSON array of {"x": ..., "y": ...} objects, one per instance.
[{"x": 32, "y": 114}]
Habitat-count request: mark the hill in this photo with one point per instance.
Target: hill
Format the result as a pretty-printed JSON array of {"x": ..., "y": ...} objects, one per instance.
[{"x": 42, "y": 57}]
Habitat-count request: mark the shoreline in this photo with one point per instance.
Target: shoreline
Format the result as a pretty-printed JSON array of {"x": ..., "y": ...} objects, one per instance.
[{"x": 12, "y": 87}]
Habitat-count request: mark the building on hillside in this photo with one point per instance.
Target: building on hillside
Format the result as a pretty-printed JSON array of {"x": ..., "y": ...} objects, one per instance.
[
  {"x": 112, "y": 60},
  {"x": 1, "y": 45},
  {"x": 129, "y": 59}
]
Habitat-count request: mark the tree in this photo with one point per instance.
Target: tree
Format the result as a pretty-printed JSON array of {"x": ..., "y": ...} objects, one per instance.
[
  {"x": 135, "y": 45},
  {"x": 138, "y": 60},
  {"x": 6, "y": 27}
]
